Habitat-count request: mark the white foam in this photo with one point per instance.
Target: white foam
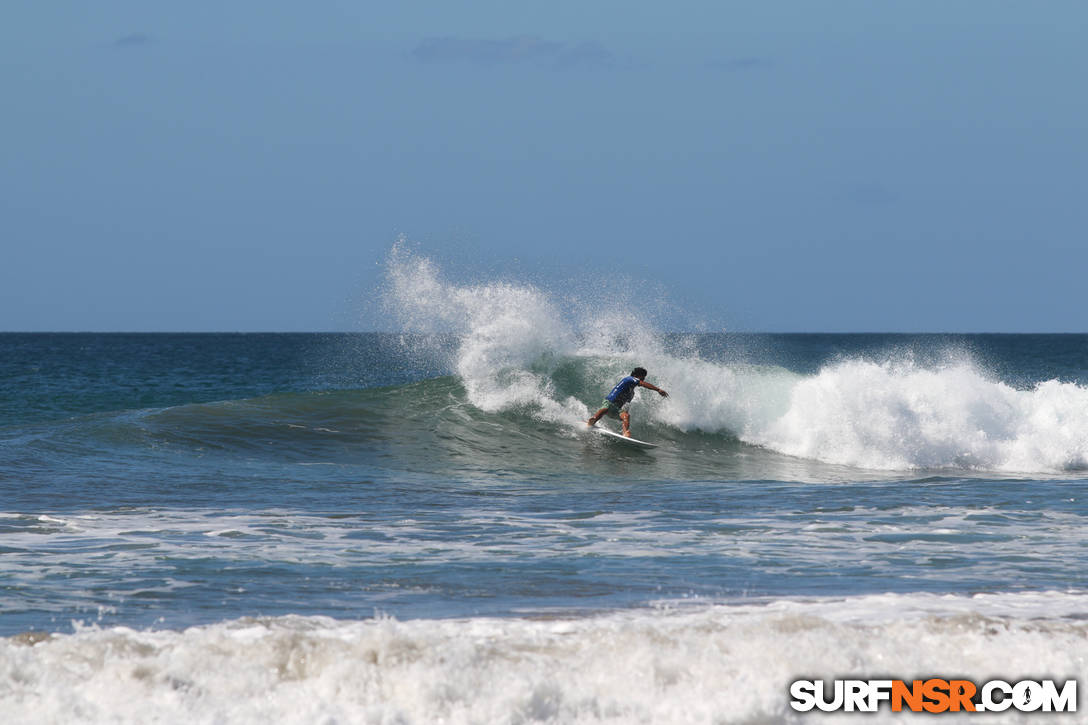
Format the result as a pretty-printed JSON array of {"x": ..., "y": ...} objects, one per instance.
[
  {"x": 893, "y": 415},
  {"x": 712, "y": 664},
  {"x": 874, "y": 414}
]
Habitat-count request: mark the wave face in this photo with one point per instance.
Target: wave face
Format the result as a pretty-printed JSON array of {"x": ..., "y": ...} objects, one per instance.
[
  {"x": 522, "y": 350},
  {"x": 716, "y": 664}
]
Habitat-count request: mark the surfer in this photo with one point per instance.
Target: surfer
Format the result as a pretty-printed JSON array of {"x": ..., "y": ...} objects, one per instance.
[{"x": 615, "y": 403}]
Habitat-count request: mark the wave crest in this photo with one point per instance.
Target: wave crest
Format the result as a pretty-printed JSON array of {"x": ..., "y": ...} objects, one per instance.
[{"x": 893, "y": 415}]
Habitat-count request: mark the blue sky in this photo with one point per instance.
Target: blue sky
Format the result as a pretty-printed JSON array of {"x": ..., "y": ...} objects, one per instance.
[{"x": 816, "y": 166}]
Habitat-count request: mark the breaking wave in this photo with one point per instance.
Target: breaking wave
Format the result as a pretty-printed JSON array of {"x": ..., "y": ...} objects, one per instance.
[{"x": 523, "y": 349}]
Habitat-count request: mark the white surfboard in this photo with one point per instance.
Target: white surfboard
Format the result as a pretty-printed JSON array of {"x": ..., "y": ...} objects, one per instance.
[{"x": 624, "y": 439}]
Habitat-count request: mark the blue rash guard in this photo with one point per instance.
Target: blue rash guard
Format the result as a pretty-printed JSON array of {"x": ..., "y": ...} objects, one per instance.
[{"x": 623, "y": 392}]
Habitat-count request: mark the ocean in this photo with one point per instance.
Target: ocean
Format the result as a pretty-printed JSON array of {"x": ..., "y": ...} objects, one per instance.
[{"x": 416, "y": 527}]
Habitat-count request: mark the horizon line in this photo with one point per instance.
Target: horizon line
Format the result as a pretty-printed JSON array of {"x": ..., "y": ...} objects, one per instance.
[{"x": 404, "y": 332}]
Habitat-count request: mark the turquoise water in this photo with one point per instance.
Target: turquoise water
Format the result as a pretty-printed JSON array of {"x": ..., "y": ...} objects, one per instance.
[{"x": 427, "y": 484}]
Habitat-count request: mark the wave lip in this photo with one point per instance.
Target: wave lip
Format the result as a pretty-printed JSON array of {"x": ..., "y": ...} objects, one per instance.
[{"x": 718, "y": 663}]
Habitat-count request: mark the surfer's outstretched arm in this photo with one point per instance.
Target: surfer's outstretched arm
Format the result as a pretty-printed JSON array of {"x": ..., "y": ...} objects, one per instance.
[{"x": 651, "y": 386}]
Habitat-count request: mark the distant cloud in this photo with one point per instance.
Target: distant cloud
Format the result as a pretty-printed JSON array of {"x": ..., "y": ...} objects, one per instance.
[
  {"x": 132, "y": 40},
  {"x": 583, "y": 55},
  {"x": 518, "y": 49},
  {"x": 737, "y": 65}
]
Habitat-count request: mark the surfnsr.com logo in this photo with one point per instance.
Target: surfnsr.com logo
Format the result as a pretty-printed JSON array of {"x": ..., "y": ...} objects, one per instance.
[{"x": 935, "y": 695}]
